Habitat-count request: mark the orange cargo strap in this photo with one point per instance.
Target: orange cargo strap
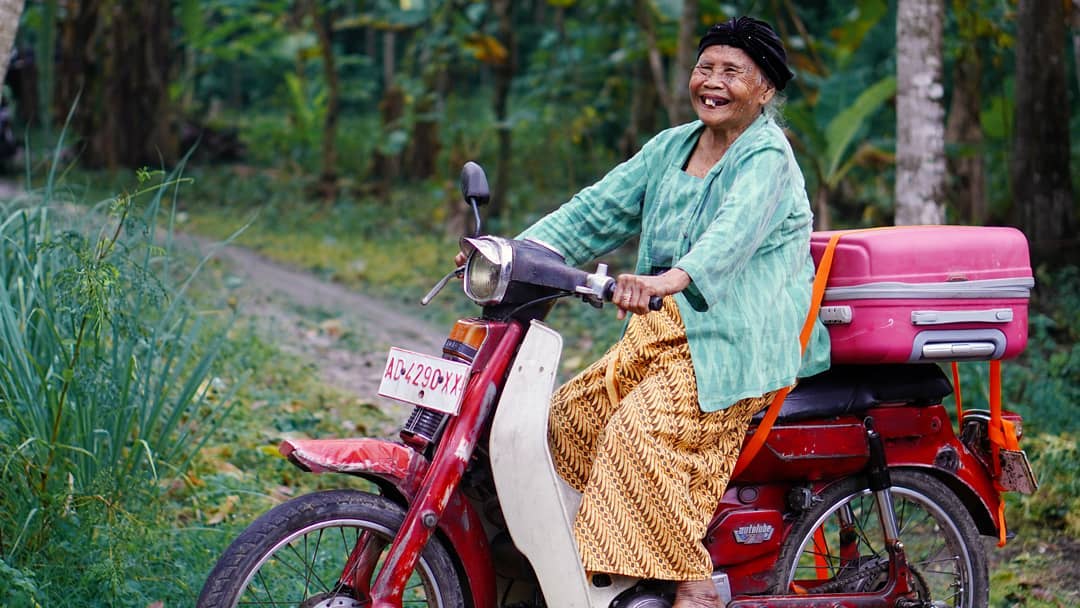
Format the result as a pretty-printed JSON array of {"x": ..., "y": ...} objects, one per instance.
[
  {"x": 1002, "y": 436},
  {"x": 959, "y": 397},
  {"x": 820, "y": 279}
]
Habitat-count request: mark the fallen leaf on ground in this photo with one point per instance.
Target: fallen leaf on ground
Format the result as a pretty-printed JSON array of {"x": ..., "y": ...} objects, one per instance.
[{"x": 223, "y": 510}]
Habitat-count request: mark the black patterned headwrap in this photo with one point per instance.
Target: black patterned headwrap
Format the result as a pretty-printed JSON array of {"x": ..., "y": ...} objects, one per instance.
[{"x": 758, "y": 40}]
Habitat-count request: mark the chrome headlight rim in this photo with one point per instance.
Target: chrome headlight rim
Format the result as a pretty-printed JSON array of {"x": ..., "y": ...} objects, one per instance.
[{"x": 493, "y": 250}]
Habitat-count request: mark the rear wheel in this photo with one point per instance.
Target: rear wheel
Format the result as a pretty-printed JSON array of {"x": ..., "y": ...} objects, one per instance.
[
  {"x": 837, "y": 545},
  {"x": 295, "y": 554}
]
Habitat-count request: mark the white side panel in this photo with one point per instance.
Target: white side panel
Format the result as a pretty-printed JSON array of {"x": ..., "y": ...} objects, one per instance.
[{"x": 538, "y": 505}]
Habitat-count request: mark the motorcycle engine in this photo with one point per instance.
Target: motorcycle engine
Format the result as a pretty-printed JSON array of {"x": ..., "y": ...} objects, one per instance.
[{"x": 643, "y": 599}]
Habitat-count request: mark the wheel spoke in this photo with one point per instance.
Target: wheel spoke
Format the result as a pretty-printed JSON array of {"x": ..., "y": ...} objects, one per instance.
[
  {"x": 266, "y": 589},
  {"x": 861, "y": 525},
  {"x": 309, "y": 567},
  {"x": 314, "y": 558}
]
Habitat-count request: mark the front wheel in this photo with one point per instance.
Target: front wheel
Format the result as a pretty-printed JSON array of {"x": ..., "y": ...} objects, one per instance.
[
  {"x": 837, "y": 546},
  {"x": 296, "y": 554}
]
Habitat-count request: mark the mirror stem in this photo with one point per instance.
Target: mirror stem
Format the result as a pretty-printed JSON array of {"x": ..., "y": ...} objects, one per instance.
[{"x": 476, "y": 216}]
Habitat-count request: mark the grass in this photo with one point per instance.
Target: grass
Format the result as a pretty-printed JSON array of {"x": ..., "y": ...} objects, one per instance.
[{"x": 106, "y": 370}]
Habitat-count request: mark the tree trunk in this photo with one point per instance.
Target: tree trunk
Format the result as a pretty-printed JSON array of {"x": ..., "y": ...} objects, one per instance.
[
  {"x": 823, "y": 217},
  {"x": 115, "y": 56},
  {"x": 504, "y": 74},
  {"x": 964, "y": 129},
  {"x": 1076, "y": 38},
  {"x": 642, "y": 111},
  {"x": 10, "y": 11},
  {"x": 137, "y": 107},
  {"x": 371, "y": 42},
  {"x": 685, "y": 58},
  {"x": 386, "y": 160},
  {"x": 389, "y": 48},
  {"x": 1041, "y": 183},
  {"x": 656, "y": 61},
  {"x": 920, "y": 124},
  {"x": 328, "y": 178},
  {"x": 426, "y": 142},
  {"x": 45, "y": 71}
]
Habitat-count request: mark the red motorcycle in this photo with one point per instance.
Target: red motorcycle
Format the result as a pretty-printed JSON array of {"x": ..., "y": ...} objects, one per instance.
[{"x": 862, "y": 495}]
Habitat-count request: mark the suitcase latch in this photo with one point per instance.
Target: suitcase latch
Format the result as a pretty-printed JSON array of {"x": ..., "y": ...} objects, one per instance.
[{"x": 835, "y": 315}]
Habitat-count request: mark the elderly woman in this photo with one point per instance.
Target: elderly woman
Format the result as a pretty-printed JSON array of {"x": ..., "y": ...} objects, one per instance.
[{"x": 651, "y": 432}]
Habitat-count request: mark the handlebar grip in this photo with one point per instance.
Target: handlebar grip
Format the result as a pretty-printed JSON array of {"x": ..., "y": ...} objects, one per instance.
[{"x": 655, "y": 302}]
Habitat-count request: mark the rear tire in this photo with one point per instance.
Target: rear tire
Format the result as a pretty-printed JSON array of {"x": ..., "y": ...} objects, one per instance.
[
  {"x": 295, "y": 553},
  {"x": 942, "y": 544}
]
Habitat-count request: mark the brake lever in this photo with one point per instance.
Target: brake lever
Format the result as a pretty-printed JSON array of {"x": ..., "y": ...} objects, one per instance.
[
  {"x": 595, "y": 286},
  {"x": 457, "y": 272}
]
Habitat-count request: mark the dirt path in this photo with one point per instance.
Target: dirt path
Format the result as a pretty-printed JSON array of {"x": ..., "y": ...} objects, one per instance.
[{"x": 349, "y": 344}]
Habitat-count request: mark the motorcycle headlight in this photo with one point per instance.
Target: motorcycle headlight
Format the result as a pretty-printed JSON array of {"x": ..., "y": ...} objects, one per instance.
[{"x": 487, "y": 272}]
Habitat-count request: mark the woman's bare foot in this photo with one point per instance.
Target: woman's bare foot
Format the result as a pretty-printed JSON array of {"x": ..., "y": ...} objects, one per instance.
[{"x": 697, "y": 594}]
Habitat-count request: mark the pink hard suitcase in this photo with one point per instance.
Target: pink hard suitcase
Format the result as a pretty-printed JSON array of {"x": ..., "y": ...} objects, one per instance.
[{"x": 926, "y": 293}]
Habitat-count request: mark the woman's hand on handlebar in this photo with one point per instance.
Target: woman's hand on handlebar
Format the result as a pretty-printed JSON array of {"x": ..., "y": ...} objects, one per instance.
[
  {"x": 459, "y": 259},
  {"x": 632, "y": 291}
]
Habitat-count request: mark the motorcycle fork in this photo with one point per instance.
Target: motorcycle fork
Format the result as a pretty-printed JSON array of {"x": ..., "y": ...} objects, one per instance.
[
  {"x": 441, "y": 481},
  {"x": 849, "y": 543},
  {"x": 361, "y": 564},
  {"x": 849, "y": 536},
  {"x": 880, "y": 483}
]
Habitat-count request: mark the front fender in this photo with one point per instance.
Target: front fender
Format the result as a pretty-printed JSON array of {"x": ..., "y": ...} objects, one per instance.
[
  {"x": 380, "y": 461},
  {"x": 393, "y": 465}
]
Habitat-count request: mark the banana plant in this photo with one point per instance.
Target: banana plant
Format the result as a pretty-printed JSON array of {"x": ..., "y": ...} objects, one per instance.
[{"x": 825, "y": 142}]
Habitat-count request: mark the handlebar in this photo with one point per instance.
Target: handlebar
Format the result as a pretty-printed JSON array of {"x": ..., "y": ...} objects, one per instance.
[{"x": 655, "y": 302}]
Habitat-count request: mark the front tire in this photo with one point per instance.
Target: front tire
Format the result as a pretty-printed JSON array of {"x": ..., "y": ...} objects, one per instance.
[
  {"x": 295, "y": 553},
  {"x": 942, "y": 544}
]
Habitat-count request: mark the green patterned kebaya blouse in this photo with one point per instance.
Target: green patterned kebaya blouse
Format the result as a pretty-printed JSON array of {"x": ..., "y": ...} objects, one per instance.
[{"x": 742, "y": 233}]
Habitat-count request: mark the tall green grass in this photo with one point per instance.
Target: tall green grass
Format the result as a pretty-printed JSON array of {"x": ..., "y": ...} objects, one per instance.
[{"x": 107, "y": 384}]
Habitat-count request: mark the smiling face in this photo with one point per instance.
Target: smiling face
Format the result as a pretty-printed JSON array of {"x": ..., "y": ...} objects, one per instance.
[{"x": 727, "y": 89}]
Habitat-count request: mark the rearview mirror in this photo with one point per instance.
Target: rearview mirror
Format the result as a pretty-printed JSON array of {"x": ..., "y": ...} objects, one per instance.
[{"x": 474, "y": 184}]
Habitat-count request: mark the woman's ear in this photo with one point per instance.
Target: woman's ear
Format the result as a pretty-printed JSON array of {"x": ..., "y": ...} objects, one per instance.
[{"x": 767, "y": 94}]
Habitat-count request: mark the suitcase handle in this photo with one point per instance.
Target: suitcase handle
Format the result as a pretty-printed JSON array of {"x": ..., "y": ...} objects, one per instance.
[
  {"x": 958, "y": 344},
  {"x": 944, "y": 317}
]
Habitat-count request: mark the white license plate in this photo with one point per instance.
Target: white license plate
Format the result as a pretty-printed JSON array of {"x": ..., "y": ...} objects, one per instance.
[{"x": 424, "y": 380}]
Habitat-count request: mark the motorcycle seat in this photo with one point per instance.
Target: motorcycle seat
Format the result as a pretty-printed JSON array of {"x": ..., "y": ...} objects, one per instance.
[{"x": 850, "y": 390}]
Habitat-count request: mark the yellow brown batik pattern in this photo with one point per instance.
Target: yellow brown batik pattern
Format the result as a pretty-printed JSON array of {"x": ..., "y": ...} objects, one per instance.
[{"x": 652, "y": 466}]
